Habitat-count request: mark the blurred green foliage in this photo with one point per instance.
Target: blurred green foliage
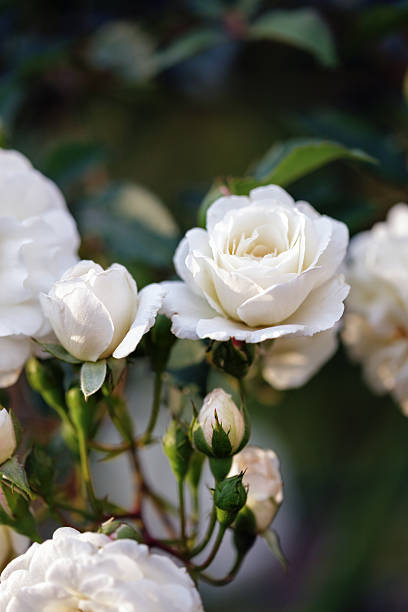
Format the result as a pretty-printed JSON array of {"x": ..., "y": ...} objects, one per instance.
[{"x": 135, "y": 110}]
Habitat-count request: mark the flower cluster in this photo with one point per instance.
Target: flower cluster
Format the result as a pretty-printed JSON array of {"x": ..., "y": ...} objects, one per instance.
[
  {"x": 38, "y": 242},
  {"x": 376, "y": 321},
  {"x": 266, "y": 270}
]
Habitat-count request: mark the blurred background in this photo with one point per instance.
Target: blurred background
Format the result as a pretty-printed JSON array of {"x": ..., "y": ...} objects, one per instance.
[{"x": 134, "y": 109}]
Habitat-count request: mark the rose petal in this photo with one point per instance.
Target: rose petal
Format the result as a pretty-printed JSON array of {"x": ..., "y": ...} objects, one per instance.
[
  {"x": 149, "y": 302},
  {"x": 185, "y": 309}
]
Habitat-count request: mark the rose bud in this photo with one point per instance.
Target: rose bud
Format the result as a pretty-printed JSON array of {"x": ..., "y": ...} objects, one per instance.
[
  {"x": 177, "y": 446},
  {"x": 97, "y": 313},
  {"x": 230, "y": 496},
  {"x": 263, "y": 479},
  {"x": 220, "y": 430},
  {"x": 7, "y": 436}
]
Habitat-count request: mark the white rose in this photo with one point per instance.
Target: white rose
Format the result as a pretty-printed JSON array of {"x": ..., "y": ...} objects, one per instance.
[
  {"x": 7, "y": 436},
  {"x": 263, "y": 479},
  {"x": 266, "y": 267},
  {"x": 11, "y": 545},
  {"x": 92, "y": 573},
  {"x": 96, "y": 313},
  {"x": 220, "y": 427},
  {"x": 376, "y": 320},
  {"x": 38, "y": 242},
  {"x": 290, "y": 362}
]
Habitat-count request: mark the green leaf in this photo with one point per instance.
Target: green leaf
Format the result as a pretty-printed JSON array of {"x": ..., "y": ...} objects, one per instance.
[
  {"x": 187, "y": 46},
  {"x": 272, "y": 539},
  {"x": 13, "y": 472},
  {"x": 58, "y": 351},
  {"x": 93, "y": 376},
  {"x": 21, "y": 519},
  {"x": 302, "y": 28},
  {"x": 287, "y": 162}
]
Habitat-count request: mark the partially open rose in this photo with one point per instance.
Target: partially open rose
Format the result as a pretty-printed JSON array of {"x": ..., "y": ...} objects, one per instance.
[{"x": 265, "y": 267}]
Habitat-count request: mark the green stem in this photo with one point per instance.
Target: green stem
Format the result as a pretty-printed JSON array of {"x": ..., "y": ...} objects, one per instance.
[
  {"x": 86, "y": 472},
  {"x": 221, "y": 531},
  {"x": 207, "y": 536},
  {"x": 182, "y": 513},
  {"x": 229, "y": 577},
  {"x": 158, "y": 385}
]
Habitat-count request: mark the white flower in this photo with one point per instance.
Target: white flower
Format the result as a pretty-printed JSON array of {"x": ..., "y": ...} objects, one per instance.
[
  {"x": 38, "y": 242},
  {"x": 263, "y": 478},
  {"x": 96, "y": 313},
  {"x": 7, "y": 436},
  {"x": 220, "y": 427},
  {"x": 266, "y": 267},
  {"x": 376, "y": 321},
  {"x": 92, "y": 573},
  {"x": 11, "y": 545},
  {"x": 290, "y": 362}
]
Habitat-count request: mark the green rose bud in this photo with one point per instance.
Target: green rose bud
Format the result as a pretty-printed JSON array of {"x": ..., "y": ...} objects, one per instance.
[
  {"x": 229, "y": 497},
  {"x": 46, "y": 377},
  {"x": 178, "y": 449},
  {"x": 233, "y": 357}
]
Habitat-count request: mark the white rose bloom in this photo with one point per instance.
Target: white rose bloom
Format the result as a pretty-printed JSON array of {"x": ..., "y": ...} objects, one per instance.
[
  {"x": 264, "y": 268},
  {"x": 290, "y": 362},
  {"x": 264, "y": 481},
  {"x": 7, "y": 436},
  {"x": 96, "y": 313},
  {"x": 38, "y": 242},
  {"x": 11, "y": 545},
  {"x": 92, "y": 573},
  {"x": 376, "y": 321}
]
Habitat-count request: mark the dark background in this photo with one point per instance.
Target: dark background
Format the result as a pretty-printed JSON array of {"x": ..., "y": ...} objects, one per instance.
[{"x": 98, "y": 116}]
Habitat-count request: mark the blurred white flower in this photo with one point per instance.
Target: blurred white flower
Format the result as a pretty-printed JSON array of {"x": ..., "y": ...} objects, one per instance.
[
  {"x": 96, "y": 313},
  {"x": 291, "y": 362},
  {"x": 38, "y": 242},
  {"x": 12, "y": 544},
  {"x": 92, "y": 573},
  {"x": 376, "y": 320},
  {"x": 220, "y": 426},
  {"x": 266, "y": 267},
  {"x": 264, "y": 481},
  {"x": 7, "y": 436}
]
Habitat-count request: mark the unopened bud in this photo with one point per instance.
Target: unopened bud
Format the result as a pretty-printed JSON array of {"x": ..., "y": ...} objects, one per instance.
[
  {"x": 233, "y": 357},
  {"x": 178, "y": 449},
  {"x": 244, "y": 530},
  {"x": 229, "y": 497},
  {"x": 220, "y": 429},
  {"x": 7, "y": 436},
  {"x": 45, "y": 377}
]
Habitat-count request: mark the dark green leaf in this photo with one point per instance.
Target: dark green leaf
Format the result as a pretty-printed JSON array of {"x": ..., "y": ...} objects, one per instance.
[
  {"x": 187, "y": 46},
  {"x": 40, "y": 468},
  {"x": 302, "y": 28},
  {"x": 13, "y": 472}
]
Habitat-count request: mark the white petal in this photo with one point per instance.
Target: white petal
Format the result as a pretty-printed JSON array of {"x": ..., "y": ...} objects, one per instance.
[
  {"x": 278, "y": 303},
  {"x": 220, "y": 207},
  {"x": 81, "y": 323},
  {"x": 14, "y": 352},
  {"x": 292, "y": 361},
  {"x": 273, "y": 193},
  {"x": 185, "y": 309},
  {"x": 321, "y": 310},
  {"x": 149, "y": 303}
]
